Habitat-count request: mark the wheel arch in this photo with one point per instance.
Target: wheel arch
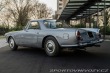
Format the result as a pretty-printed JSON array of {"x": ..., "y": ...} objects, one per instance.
[
  {"x": 43, "y": 41},
  {"x": 9, "y": 38}
]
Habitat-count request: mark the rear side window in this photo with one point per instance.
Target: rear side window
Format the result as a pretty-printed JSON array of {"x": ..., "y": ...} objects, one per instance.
[
  {"x": 34, "y": 25},
  {"x": 50, "y": 24}
]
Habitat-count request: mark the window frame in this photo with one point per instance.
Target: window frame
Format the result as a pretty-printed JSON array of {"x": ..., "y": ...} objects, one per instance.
[
  {"x": 49, "y": 26},
  {"x": 36, "y": 27}
]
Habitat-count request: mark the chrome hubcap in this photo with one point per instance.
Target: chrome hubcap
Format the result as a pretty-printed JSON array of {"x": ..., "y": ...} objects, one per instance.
[
  {"x": 50, "y": 46},
  {"x": 11, "y": 43}
]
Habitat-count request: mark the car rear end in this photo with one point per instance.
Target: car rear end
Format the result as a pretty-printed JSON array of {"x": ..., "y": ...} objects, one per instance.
[{"x": 87, "y": 38}]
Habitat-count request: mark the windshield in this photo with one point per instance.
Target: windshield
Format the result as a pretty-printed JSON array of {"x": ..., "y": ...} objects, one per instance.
[{"x": 52, "y": 24}]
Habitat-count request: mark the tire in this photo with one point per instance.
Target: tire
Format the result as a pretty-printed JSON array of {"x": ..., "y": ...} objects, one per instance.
[
  {"x": 12, "y": 44},
  {"x": 51, "y": 46}
]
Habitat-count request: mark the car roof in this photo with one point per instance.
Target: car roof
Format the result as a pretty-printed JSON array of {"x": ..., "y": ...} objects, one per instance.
[{"x": 40, "y": 20}]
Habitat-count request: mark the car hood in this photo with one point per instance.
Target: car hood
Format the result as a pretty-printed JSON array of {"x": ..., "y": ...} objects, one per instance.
[{"x": 10, "y": 33}]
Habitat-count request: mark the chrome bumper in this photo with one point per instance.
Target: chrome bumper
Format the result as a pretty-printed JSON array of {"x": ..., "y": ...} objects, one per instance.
[{"x": 91, "y": 43}]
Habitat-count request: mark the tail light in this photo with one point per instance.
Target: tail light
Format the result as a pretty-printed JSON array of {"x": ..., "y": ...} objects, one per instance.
[
  {"x": 99, "y": 35},
  {"x": 78, "y": 35}
]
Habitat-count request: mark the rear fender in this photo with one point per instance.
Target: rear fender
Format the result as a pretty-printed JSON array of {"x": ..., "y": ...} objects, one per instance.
[{"x": 96, "y": 30}]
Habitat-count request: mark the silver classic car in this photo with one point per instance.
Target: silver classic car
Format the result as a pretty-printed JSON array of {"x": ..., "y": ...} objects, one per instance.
[{"x": 43, "y": 33}]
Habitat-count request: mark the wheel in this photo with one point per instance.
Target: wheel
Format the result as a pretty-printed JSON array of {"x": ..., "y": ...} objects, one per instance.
[
  {"x": 51, "y": 46},
  {"x": 12, "y": 44}
]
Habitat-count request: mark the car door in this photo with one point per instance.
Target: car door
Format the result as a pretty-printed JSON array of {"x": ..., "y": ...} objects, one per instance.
[{"x": 30, "y": 35}]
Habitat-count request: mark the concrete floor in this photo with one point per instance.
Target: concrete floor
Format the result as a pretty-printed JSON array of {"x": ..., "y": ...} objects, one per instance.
[
  {"x": 30, "y": 60},
  {"x": 3, "y": 42}
]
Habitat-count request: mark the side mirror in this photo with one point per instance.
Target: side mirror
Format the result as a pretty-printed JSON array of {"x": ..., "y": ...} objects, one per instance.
[{"x": 24, "y": 28}]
